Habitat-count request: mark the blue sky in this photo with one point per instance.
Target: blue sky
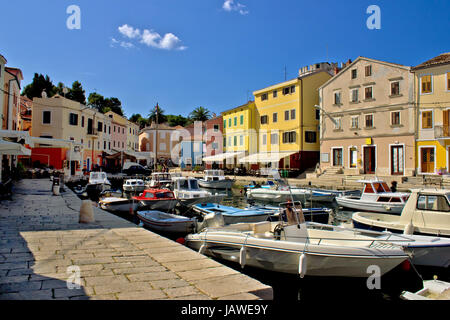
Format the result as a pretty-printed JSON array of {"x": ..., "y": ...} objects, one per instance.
[{"x": 211, "y": 53}]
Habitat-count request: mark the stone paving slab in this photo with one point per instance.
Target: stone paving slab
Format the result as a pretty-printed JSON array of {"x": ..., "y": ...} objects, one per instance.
[{"x": 40, "y": 237}]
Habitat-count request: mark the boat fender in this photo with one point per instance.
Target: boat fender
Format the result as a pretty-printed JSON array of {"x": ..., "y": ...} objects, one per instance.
[
  {"x": 409, "y": 229},
  {"x": 242, "y": 256},
  {"x": 302, "y": 264}
]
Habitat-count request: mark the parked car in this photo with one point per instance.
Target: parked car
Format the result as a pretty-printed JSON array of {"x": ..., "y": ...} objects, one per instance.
[{"x": 131, "y": 169}]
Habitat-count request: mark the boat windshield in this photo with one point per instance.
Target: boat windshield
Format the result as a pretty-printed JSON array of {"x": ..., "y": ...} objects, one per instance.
[
  {"x": 193, "y": 184},
  {"x": 149, "y": 195},
  {"x": 379, "y": 187},
  {"x": 183, "y": 184},
  {"x": 160, "y": 195}
]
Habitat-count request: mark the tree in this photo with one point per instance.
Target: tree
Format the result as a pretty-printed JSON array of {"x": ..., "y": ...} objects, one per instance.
[
  {"x": 39, "y": 84},
  {"x": 114, "y": 105},
  {"x": 96, "y": 101},
  {"x": 200, "y": 114},
  {"x": 161, "y": 116},
  {"x": 178, "y": 120},
  {"x": 141, "y": 121},
  {"x": 77, "y": 93},
  {"x": 104, "y": 105}
]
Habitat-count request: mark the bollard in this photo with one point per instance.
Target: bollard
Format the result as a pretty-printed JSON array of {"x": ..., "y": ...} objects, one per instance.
[
  {"x": 55, "y": 190},
  {"x": 86, "y": 212}
]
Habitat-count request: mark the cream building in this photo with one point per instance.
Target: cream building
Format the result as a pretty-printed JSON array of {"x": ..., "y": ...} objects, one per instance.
[{"x": 368, "y": 119}]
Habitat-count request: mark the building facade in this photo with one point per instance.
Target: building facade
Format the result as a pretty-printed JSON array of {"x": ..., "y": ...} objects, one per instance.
[
  {"x": 240, "y": 136},
  {"x": 63, "y": 119},
  {"x": 161, "y": 141},
  {"x": 432, "y": 94},
  {"x": 192, "y": 145},
  {"x": 368, "y": 119},
  {"x": 288, "y": 123},
  {"x": 214, "y": 139}
]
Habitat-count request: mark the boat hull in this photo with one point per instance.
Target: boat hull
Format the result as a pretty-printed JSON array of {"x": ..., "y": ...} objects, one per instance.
[
  {"x": 170, "y": 223},
  {"x": 268, "y": 255},
  {"x": 353, "y": 203},
  {"x": 158, "y": 204},
  {"x": 208, "y": 199},
  {"x": 220, "y": 184}
]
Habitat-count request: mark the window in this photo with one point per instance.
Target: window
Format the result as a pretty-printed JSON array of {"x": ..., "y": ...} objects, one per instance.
[
  {"x": 216, "y": 128},
  {"x": 337, "y": 97},
  {"x": 82, "y": 121},
  {"x": 99, "y": 126},
  {"x": 354, "y": 73},
  {"x": 241, "y": 140},
  {"x": 215, "y": 146},
  {"x": 289, "y": 137},
  {"x": 292, "y": 114},
  {"x": 426, "y": 84},
  {"x": 274, "y": 117},
  {"x": 229, "y": 122},
  {"x": 433, "y": 203},
  {"x": 275, "y": 93},
  {"x": 354, "y": 122},
  {"x": 224, "y": 123},
  {"x": 46, "y": 117},
  {"x": 395, "y": 118},
  {"x": 337, "y": 123},
  {"x": 235, "y": 140},
  {"x": 224, "y": 142},
  {"x": 73, "y": 119},
  {"x": 368, "y": 93},
  {"x": 286, "y": 90},
  {"x": 355, "y": 95},
  {"x": 264, "y": 97},
  {"x": 264, "y": 119},
  {"x": 274, "y": 138},
  {"x": 109, "y": 145},
  {"x": 369, "y": 120},
  {"x": 229, "y": 142},
  {"x": 242, "y": 120},
  {"x": 317, "y": 114},
  {"x": 264, "y": 139},
  {"x": 235, "y": 121},
  {"x": 104, "y": 145},
  {"x": 427, "y": 119},
  {"x": 109, "y": 129},
  {"x": 310, "y": 136},
  {"x": 368, "y": 71},
  {"x": 395, "y": 88},
  {"x": 286, "y": 115},
  {"x": 292, "y": 89}
]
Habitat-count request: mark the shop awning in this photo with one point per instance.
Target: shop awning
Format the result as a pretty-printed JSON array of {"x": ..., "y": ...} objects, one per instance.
[
  {"x": 56, "y": 142},
  {"x": 266, "y": 157},
  {"x": 222, "y": 156},
  {"x": 141, "y": 155},
  {"x": 17, "y": 135},
  {"x": 13, "y": 149}
]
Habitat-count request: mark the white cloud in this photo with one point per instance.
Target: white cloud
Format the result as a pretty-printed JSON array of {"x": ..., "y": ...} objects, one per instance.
[
  {"x": 124, "y": 44},
  {"x": 229, "y": 6},
  {"x": 129, "y": 31}
]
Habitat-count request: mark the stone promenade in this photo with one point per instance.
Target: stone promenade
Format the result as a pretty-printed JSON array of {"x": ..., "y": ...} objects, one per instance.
[{"x": 41, "y": 239}]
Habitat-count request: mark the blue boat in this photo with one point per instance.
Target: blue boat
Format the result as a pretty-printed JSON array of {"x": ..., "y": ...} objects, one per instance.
[{"x": 256, "y": 213}]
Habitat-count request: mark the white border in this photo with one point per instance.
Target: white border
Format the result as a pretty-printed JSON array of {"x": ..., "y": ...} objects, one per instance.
[
  {"x": 432, "y": 119},
  {"x": 332, "y": 156},
  {"x": 420, "y": 84},
  {"x": 390, "y": 158},
  {"x": 350, "y": 157}
]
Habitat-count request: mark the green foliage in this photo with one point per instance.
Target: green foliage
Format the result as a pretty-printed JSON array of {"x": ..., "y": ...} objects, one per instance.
[
  {"x": 39, "y": 84},
  {"x": 200, "y": 114},
  {"x": 178, "y": 120},
  {"x": 161, "y": 116},
  {"x": 104, "y": 105},
  {"x": 141, "y": 121},
  {"x": 76, "y": 93}
]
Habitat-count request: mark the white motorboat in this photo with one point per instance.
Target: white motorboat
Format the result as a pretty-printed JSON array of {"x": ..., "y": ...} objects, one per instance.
[
  {"x": 432, "y": 290},
  {"x": 188, "y": 193},
  {"x": 160, "y": 180},
  {"x": 427, "y": 212},
  {"x": 134, "y": 185},
  {"x": 215, "y": 179},
  {"x": 279, "y": 192},
  {"x": 98, "y": 182},
  {"x": 375, "y": 197},
  {"x": 157, "y": 199},
  {"x": 117, "y": 204},
  {"x": 297, "y": 249},
  {"x": 166, "y": 222}
]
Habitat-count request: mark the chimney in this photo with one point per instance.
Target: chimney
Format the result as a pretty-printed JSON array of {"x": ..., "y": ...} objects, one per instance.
[{"x": 336, "y": 70}]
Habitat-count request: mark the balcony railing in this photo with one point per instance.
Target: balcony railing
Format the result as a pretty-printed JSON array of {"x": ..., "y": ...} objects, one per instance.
[{"x": 442, "y": 132}]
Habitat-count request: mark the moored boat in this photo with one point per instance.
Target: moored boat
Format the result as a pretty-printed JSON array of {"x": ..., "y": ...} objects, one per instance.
[
  {"x": 166, "y": 222},
  {"x": 432, "y": 290},
  {"x": 133, "y": 185},
  {"x": 375, "y": 197},
  {"x": 156, "y": 199},
  {"x": 116, "y": 204},
  {"x": 98, "y": 182},
  {"x": 160, "y": 180},
  {"x": 188, "y": 193},
  {"x": 296, "y": 249},
  {"x": 427, "y": 212},
  {"x": 215, "y": 179}
]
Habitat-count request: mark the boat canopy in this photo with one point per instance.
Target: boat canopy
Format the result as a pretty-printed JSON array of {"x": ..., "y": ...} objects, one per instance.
[
  {"x": 222, "y": 156},
  {"x": 266, "y": 157}
]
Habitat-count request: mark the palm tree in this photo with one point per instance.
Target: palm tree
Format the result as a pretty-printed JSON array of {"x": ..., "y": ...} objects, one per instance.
[
  {"x": 161, "y": 116},
  {"x": 200, "y": 114}
]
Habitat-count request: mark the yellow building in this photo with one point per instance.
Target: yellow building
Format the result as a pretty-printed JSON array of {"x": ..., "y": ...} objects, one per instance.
[
  {"x": 239, "y": 133},
  {"x": 432, "y": 83},
  {"x": 288, "y": 121}
]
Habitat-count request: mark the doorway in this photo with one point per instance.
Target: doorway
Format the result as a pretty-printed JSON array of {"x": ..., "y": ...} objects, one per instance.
[
  {"x": 369, "y": 159},
  {"x": 427, "y": 160},
  {"x": 397, "y": 157}
]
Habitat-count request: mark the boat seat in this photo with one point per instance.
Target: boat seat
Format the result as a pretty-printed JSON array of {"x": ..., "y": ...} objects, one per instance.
[{"x": 262, "y": 227}]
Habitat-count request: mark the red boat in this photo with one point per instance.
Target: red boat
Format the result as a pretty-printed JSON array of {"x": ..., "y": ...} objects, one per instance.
[{"x": 157, "y": 199}]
